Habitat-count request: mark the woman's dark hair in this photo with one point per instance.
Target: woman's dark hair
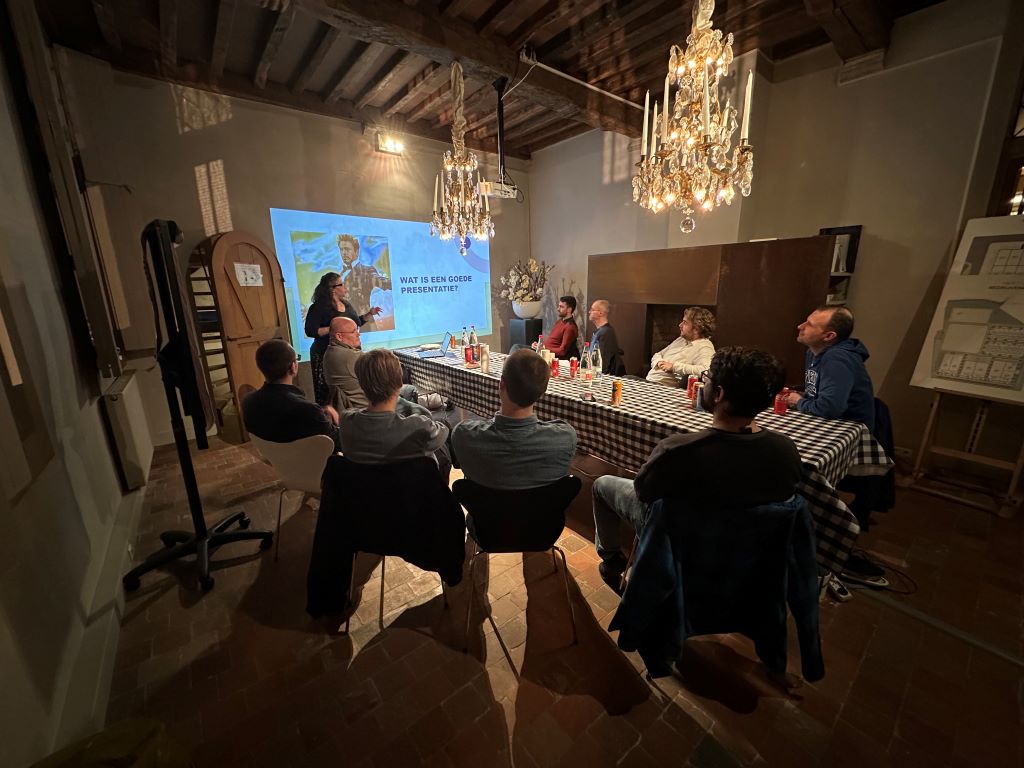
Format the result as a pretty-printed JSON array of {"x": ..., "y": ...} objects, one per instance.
[
  {"x": 322, "y": 292},
  {"x": 750, "y": 379}
]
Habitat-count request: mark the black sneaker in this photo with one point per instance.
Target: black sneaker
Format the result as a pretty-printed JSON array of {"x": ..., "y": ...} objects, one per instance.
[{"x": 611, "y": 571}]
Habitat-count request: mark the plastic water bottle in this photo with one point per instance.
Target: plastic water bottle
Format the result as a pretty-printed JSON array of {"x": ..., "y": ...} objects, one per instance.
[
  {"x": 586, "y": 368},
  {"x": 472, "y": 336},
  {"x": 465, "y": 338},
  {"x": 597, "y": 362}
]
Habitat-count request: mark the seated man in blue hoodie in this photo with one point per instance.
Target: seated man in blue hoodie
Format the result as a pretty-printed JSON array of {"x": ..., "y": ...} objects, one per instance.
[
  {"x": 836, "y": 383},
  {"x": 837, "y": 386}
]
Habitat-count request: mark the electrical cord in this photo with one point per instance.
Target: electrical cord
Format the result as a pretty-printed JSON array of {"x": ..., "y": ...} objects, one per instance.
[
  {"x": 902, "y": 584},
  {"x": 505, "y": 96}
]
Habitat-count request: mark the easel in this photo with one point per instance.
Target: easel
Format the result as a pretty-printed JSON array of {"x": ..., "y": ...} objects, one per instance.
[{"x": 1005, "y": 505}]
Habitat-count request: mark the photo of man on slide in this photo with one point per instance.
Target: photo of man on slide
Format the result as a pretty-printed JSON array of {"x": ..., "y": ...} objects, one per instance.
[{"x": 368, "y": 286}]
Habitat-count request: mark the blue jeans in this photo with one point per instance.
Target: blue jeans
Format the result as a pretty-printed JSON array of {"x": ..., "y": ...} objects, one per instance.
[{"x": 615, "y": 501}]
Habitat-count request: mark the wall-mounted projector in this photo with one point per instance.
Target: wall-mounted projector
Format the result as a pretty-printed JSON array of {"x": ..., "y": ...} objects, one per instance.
[{"x": 497, "y": 189}]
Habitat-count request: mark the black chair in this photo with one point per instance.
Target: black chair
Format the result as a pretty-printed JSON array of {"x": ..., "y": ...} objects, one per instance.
[
  {"x": 874, "y": 493},
  {"x": 402, "y": 509},
  {"x": 529, "y": 520},
  {"x": 716, "y": 571}
]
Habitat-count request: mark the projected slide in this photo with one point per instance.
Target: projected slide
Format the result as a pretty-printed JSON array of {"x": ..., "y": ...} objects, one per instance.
[{"x": 421, "y": 283}]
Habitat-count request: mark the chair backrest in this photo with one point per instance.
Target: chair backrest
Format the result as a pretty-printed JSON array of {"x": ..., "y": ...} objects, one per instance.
[
  {"x": 529, "y": 520},
  {"x": 300, "y": 463},
  {"x": 392, "y": 509},
  {"x": 732, "y": 559}
]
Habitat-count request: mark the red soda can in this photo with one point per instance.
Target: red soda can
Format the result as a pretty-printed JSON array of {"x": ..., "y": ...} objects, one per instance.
[
  {"x": 468, "y": 352},
  {"x": 782, "y": 401},
  {"x": 574, "y": 366},
  {"x": 691, "y": 381},
  {"x": 554, "y": 368}
]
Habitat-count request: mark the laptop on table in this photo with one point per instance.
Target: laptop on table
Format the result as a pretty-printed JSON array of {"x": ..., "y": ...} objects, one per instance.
[{"x": 441, "y": 352}]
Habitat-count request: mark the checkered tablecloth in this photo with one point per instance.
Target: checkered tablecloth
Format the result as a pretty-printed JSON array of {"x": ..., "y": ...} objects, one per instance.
[{"x": 625, "y": 435}]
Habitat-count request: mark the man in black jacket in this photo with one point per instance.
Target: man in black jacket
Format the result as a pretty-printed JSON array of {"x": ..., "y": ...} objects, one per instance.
[
  {"x": 735, "y": 464},
  {"x": 279, "y": 411}
]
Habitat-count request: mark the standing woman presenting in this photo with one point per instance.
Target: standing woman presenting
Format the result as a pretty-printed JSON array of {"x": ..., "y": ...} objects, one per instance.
[{"x": 329, "y": 301}]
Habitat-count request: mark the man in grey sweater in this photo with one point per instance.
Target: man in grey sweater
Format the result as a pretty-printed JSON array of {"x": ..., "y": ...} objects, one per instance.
[
  {"x": 340, "y": 372},
  {"x": 377, "y": 434},
  {"x": 516, "y": 450}
]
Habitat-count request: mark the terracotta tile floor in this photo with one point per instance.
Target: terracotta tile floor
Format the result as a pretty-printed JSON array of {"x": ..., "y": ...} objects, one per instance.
[{"x": 242, "y": 676}]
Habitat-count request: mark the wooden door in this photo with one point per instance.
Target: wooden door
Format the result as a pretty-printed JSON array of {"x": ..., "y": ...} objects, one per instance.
[{"x": 250, "y": 299}]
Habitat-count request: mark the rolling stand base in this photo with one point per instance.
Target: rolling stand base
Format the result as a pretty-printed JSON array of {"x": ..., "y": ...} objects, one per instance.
[{"x": 180, "y": 544}]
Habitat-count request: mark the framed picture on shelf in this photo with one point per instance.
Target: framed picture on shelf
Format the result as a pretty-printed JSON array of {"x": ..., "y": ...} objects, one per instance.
[{"x": 844, "y": 260}]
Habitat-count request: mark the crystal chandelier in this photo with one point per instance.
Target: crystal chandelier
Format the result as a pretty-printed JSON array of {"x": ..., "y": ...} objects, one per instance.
[
  {"x": 688, "y": 161},
  {"x": 464, "y": 211}
]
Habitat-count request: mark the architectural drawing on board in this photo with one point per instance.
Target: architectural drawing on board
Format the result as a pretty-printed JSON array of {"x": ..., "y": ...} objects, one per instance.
[
  {"x": 975, "y": 344},
  {"x": 982, "y": 343}
]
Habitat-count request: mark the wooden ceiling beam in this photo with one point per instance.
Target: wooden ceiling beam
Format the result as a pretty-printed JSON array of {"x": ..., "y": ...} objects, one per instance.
[
  {"x": 607, "y": 20},
  {"x": 221, "y": 38},
  {"x": 662, "y": 18},
  {"x": 552, "y": 17},
  {"x": 496, "y": 14},
  {"x": 312, "y": 62},
  {"x": 106, "y": 19},
  {"x": 282, "y": 24},
  {"x": 546, "y": 141},
  {"x": 456, "y": 7},
  {"x": 388, "y": 73},
  {"x": 490, "y": 128},
  {"x": 855, "y": 27},
  {"x": 169, "y": 33},
  {"x": 480, "y": 97},
  {"x": 490, "y": 115},
  {"x": 190, "y": 73},
  {"x": 422, "y": 31},
  {"x": 548, "y": 135},
  {"x": 433, "y": 103},
  {"x": 425, "y": 82},
  {"x": 355, "y": 68},
  {"x": 528, "y": 127}
]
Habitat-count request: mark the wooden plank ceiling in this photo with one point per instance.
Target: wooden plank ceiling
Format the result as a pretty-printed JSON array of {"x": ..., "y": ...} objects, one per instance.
[{"x": 386, "y": 63}]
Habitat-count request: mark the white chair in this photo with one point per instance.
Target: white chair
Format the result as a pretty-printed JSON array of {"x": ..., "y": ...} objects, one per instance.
[{"x": 299, "y": 465}]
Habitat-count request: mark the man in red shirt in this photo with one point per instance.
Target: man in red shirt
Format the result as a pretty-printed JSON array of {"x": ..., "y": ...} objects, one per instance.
[{"x": 562, "y": 338}]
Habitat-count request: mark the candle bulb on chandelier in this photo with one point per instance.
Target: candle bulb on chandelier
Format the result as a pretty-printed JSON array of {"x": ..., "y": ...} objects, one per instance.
[
  {"x": 745, "y": 131},
  {"x": 706, "y": 106},
  {"x": 435, "y": 192},
  {"x": 654, "y": 131},
  {"x": 643, "y": 136},
  {"x": 664, "y": 114}
]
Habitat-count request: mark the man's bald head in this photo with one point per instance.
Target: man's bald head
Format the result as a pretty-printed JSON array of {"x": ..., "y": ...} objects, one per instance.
[{"x": 345, "y": 331}]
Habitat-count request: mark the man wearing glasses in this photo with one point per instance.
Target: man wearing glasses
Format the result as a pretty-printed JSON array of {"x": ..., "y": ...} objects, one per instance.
[{"x": 734, "y": 464}]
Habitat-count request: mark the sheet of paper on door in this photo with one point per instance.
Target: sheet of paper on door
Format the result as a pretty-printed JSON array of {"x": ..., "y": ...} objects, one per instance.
[{"x": 249, "y": 274}]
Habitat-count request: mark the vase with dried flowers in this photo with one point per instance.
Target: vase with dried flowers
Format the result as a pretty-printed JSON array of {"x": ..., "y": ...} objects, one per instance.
[{"x": 524, "y": 286}]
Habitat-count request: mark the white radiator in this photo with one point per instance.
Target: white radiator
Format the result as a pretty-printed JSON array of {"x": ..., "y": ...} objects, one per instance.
[{"x": 123, "y": 405}]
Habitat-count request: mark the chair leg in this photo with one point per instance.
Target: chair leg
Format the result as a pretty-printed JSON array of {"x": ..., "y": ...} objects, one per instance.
[
  {"x": 568, "y": 595},
  {"x": 380, "y": 614},
  {"x": 351, "y": 590},
  {"x": 472, "y": 593},
  {"x": 444, "y": 592},
  {"x": 554, "y": 562}
]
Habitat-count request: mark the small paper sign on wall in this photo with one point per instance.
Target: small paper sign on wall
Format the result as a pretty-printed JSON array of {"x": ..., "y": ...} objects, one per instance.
[{"x": 249, "y": 275}]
